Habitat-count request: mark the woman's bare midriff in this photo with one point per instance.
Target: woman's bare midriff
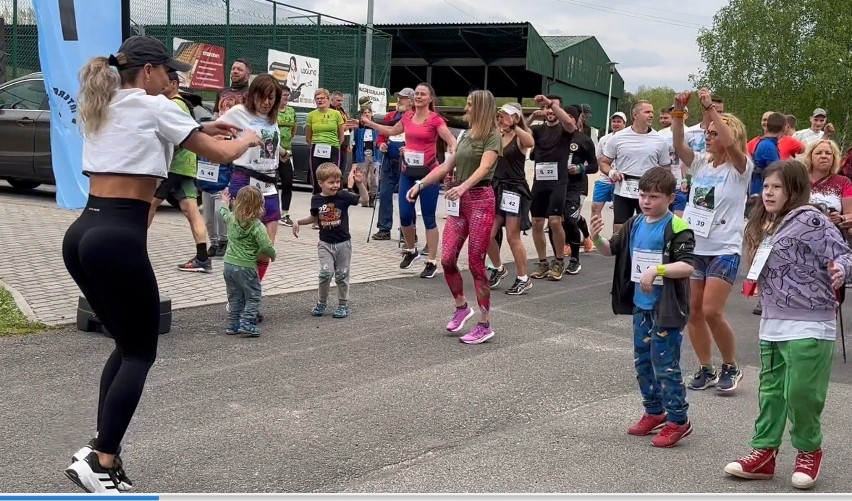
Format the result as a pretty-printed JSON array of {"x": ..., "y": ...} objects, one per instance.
[{"x": 115, "y": 186}]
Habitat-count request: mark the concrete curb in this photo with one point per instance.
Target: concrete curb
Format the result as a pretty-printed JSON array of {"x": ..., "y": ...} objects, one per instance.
[{"x": 20, "y": 302}]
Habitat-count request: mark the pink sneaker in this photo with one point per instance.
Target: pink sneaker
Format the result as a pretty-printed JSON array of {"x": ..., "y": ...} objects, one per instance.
[
  {"x": 461, "y": 316},
  {"x": 479, "y": 334}
]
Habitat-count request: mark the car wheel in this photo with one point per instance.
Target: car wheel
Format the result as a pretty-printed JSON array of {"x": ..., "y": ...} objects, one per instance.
[{"x": 23, "y": 185}]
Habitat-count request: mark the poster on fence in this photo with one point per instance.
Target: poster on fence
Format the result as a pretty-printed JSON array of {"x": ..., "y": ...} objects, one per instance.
[
  {"x": 208, "y": 64},
  {"x": 299, "y": 73},
  {"x": 378, "y": 97}
]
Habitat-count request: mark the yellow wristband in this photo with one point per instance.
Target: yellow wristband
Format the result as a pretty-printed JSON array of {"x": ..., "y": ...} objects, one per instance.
[{"x": 661, "y": 270}]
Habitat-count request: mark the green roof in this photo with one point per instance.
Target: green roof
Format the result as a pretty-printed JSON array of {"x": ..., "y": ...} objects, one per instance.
[{"x": 559, "y": 43}]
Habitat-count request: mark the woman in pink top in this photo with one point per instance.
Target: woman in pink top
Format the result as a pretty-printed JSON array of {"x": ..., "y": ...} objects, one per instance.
[{"x": 421, "y": 127}]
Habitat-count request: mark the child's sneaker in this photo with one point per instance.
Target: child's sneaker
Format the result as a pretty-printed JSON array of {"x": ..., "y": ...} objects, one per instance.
[
  {"x": 647, "y": 424},
  {"x": 671, "y": 434},
  {"x": 342, "y": 311},
  {"x": 319, "y": 309},
  {"x": 232, "y": 330},
  {"x": 251, "y": 330},
  {"x": 807, "y": 469},
  {"x": 758, "y": 465}
]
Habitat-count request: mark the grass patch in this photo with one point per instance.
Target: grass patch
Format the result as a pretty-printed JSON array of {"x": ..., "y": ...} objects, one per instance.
[{"x": 12, "y": 321}]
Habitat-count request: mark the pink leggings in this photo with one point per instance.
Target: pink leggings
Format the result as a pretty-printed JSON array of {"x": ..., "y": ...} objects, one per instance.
[{"x": 476, "y": 216}]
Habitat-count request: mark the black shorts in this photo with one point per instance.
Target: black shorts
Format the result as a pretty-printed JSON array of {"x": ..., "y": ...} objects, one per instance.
[
  {"x": 548, "y": 200},
  {"x": 178, "y": 186},
  {"x": 624, "y": 208}
]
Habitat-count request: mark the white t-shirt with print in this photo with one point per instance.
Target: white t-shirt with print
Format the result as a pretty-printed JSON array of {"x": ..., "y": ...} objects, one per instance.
[
  {"x": 721, "y": 189},
  {"x": 808, "y": 136},
  {"x": 265, "y": 158},
  {"x": 139, "y": 138},
  {"x": 695, "y": 139},
  {"x": 635, "y": 154}
]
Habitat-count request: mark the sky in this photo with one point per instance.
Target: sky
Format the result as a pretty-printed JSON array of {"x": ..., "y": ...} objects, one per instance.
[{"x": 653, "y": 40}]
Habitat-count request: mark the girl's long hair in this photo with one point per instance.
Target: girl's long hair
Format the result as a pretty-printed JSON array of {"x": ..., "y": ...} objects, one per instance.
[
  {"x": 481, "y": 114},
  {"x": 262, "y": 86},
  {"x": 797, "y": 187},
  {"x": 98, "y": 83},
  {"x": 249, "y": 205}
]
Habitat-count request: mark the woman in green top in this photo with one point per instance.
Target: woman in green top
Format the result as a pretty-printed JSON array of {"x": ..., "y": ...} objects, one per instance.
[
  {"x": 286, "y": 129},
  {"x": 324, "y": 134},
  {"x": 470, "y": 211}
]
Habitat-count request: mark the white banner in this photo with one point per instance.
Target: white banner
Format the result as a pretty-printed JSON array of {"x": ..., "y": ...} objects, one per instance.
[
  {"x": 377, "y": 95},
  {"x": 299, "y": 73}
]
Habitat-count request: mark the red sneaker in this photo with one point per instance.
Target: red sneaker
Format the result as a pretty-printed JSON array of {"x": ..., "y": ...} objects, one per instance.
[
  {"x": 647, "y": 425},
  {"x": 759, "y": 465},
  {"x": 807, "y": 469},
  {"x": 588, "y": 245},
  {"x": 671, "y": 434}
]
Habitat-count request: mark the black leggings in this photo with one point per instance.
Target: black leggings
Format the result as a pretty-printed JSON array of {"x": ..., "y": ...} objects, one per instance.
[
  {"x": 317, "y": 161},
  {"x": 105, "y": 251},
  {"x": 285, "y": 173}
]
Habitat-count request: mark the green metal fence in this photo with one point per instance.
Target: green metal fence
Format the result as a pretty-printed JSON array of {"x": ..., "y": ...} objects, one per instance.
[{"x": 246, "y": 28}]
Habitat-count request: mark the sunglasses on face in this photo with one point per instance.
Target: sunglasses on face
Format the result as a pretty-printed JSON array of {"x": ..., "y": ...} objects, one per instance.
[{"x": 711, "y": 134}]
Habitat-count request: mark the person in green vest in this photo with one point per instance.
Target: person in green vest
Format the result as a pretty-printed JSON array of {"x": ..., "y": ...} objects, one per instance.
[
  {"x": 180, "y": 185},
  {"x": 287, "y": 129}
]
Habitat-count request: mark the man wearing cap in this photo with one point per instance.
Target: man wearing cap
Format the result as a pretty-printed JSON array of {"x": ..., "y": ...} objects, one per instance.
[
  {"x": 678, "y": 168},
  {"x": 818, "y": 130},
  {"x": 389, "y": 176},
  {"x": 180, "y": 186},
  {"x": 602, "y": 193}
]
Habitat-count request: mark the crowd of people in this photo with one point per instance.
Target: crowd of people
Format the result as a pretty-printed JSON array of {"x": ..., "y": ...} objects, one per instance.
[{"x": 681, "y": 227}]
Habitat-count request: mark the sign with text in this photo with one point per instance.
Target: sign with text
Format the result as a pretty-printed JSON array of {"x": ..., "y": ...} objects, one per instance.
[
  {"x": 377, "y": 96},
  {"x": 299, "y": 73},
  {"x": 208, "y": 64}
]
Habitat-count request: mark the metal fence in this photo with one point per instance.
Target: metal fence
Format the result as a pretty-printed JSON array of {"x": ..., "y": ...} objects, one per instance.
[{"x": 245, "y": 28}]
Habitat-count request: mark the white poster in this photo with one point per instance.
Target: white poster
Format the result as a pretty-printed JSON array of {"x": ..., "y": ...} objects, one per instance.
[
  {"x": 377, "y": 95},
  {"x": 299, "y": 73}
]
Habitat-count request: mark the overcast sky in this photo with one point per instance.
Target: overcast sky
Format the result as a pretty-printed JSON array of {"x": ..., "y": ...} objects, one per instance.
[{"x": 657, "y": 50}]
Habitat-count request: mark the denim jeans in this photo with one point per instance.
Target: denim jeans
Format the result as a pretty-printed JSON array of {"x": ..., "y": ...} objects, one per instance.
[
  {"x": 388, "y": 184},
  {"x": 217, "y": 230},
  {"x": 244, "y": 293},
  {"x": 656, "y": 355}
]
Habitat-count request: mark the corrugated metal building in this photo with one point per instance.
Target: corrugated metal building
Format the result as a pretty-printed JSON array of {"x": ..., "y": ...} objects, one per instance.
[{"x": 509, "y": 59}]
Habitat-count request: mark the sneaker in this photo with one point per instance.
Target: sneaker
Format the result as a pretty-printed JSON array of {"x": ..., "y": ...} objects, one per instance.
[
  {"x": 496, "y": 277},
  {"x": 221, "y": 249},
  {"x": 381, "y": 235},
  {"x": 286, "y": 221},
  {"x": 425, "y": 250},
  {"x": 729, "y": 376},
  {"x": 541, "y": 270},
  {"x": 90, "y": 476},
  {"x": 479, "y": 334},
  {"x": 647, "y": 424},
  {"x": 557, "y": 269},
  {"x": 704, "y": 378},
  {"x": 213, "y": 250},
  {"x": 758, "y": 310},
  {"x": 758, "y": 465},
  {"x": 671, "y": 434},
  {"x": 460, "y": 316},
  {"x": 232, "y": 330},
  {"x": 566, "y": 250},
  {"x": 573, "y": 266},
  {"x": 430, "y": 270},
  {"x": 251, "y": 330},
  {"x": 807, "y": 469},
  {"x": 123, "y": 483},
  {"x": 519, "y": 287},
  {"x": 342, "y": 311},
  {"x": 197, "y": 266},
  {"x": 408, "y": 258},
  {"x": 588, "y": 245},
  {"x": 319, "y": 309}
]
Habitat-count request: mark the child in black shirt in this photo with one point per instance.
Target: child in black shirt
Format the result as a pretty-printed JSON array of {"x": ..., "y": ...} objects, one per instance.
[{"x": 330, "y": 208}]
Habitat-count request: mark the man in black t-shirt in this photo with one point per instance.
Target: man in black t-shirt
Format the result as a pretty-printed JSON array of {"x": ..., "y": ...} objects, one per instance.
[{"x": 552, "y": 151}]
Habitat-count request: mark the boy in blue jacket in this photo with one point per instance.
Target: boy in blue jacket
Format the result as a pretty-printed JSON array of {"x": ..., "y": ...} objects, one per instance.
[
  {"x": 653, "y": 263},
  {"x": 365, "y": 149}
]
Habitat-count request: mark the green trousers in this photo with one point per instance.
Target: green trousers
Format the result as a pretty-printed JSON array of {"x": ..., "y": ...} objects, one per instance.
[{"x": 794, "y": 379}]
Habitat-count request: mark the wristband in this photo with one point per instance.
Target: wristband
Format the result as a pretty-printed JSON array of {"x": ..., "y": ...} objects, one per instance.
[
  {"x": 598, "y": 240},
  {"x": 661, "y": 270},
  {"x": 677, "y": 114}
]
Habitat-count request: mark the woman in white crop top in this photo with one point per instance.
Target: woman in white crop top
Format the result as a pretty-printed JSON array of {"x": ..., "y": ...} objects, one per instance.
[{"x": 130, "y": 132}]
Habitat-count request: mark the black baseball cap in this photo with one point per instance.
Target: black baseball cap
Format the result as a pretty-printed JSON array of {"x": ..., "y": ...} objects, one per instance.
[{"x": 138, "y": 51}]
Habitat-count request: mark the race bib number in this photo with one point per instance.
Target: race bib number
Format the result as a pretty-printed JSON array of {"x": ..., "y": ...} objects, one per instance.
[
  {"x": 399, "y": 138},
  {"x": 629, "y": 188},
  {"x": 642, "y": 260},
  {"x": 452, "y": 207},
  {"x": 700, "y": 220},
  {"x": 207, "y": 171},
  {"x": 322, "y": 151},
  {"x": 368, "y": 135},
  {"x": 265, "y": 188},
  {"x": 546, "y": 171},
  {"x": 510, "y": 202},
  {"x": 760, "y": 258},
  {"x": 415, "y": 158}
]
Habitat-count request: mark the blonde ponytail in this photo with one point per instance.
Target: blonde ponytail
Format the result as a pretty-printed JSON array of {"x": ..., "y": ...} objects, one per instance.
[{"x": 98, "y": 83}]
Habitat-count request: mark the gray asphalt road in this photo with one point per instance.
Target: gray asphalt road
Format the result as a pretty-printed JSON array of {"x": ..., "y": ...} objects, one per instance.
[{"x": 387, "y": 401}]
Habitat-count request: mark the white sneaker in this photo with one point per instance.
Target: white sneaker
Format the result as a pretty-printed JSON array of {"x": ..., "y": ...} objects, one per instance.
[
  {"x": 123, "y": 483},
  {"x": 90, "y": 476}
]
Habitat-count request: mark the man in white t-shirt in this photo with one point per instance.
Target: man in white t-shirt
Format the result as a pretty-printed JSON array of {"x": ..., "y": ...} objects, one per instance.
[
  {"x": 602, "y": 193},
  {"x": 634, "y": 151},
  {"x": 818, "y": 129},
  {"x": 679, "y": 169}
]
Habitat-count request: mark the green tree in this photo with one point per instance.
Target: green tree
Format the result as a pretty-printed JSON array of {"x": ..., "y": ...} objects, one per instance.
[{"x": 780, "y": 55}]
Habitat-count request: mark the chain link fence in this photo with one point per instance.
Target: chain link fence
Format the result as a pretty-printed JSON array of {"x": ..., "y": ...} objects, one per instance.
[{"x": 247, "y": 29}]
